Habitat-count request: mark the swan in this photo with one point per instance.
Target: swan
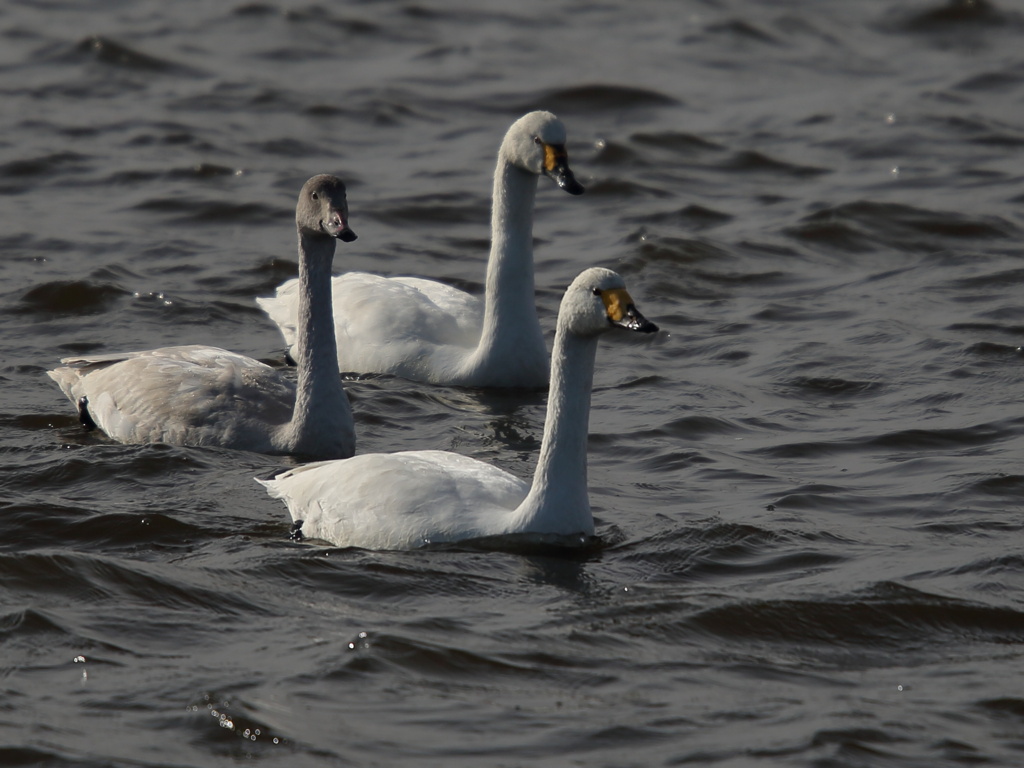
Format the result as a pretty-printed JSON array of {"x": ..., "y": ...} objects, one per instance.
[
  {"x": 427, "y": 331},
  {"x": 409, "y": 499},
  {"x": 205, "y": 396}
]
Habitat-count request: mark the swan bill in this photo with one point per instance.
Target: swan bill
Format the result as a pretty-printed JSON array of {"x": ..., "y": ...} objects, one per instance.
[
  {"x": 337, "y": 226},
  {"x": 556, "y": 166},
  {"x": 622, "y": 312}
]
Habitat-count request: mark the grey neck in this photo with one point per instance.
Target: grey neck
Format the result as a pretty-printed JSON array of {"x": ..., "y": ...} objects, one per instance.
[{"x": 322, "y": 413}]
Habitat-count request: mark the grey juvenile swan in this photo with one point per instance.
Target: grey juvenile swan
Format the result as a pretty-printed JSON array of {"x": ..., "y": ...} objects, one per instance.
[{"x": 206, "y": 396}]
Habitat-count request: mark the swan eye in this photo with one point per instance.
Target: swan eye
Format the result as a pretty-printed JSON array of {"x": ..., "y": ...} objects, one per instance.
[
  {"x": 597, "y": 291},
  {"x": 315, "y": 196},
  {"x": 536, "y": 140}
]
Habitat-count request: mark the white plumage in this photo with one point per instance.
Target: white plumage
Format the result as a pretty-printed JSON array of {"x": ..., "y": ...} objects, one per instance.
[
  {"x": 206, "y": 396},
  {"x": 428, "y": 331},
  {"x": 412, "y": 498}
]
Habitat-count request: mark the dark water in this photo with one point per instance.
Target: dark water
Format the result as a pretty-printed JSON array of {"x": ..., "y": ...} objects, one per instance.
[{"x": 809, "y": 486}]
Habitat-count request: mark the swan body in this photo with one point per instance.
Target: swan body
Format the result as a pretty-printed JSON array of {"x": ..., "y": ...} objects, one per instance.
[
  {"x": 427, "y": 331},
  {"x": 206, "y": 396},
  {"x": 412, "y": 498}
]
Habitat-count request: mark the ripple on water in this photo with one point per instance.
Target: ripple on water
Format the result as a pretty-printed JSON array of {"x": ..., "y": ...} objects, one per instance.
[
  {"x": 107, "y": 51},
  {"x": 232, "y": 726},
  {"x": 678, "y": 142},
  {"x": 691, "y": 217},
  {"x": 585, "y": 99},
  {"x": 27, "y": 174},
  {"x": 953, "y": 17},
  {"x": 885, "y": 616},
  {"x": 901, "y": 440},
  {"x": 70, "y": 297},
  {"x": 219, "y": 211},
  {"x": 832, "y": 387},
  {"x": 866, "y": 226},
  {"x": 142, "y": 177},
  {"x": 619, "y": 188},
  {"x": 434, "y": 210},
  {"x": 708, "y": 553},
  {"x": 100, "y": 579},
  {"x": 749, "y": 162},
  {"x": 85, "y": 530}
]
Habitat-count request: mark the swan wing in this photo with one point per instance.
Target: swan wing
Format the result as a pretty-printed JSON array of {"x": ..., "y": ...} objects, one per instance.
[
  {"x": 410, "y": 327},
  {"x": 464, "y": 309},
  {"x": 400, "y": 500},
  {"x": 385, "y": 309},
  {"x": 195, "y": 395},
  {"x": 370, "y": 309}
]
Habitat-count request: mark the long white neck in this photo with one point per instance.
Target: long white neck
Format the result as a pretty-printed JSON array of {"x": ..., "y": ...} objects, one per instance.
[
  {"x": 558, "y": 500},
  {"x": 510, "y": 314},
  {"x": 322, "y": 415}
]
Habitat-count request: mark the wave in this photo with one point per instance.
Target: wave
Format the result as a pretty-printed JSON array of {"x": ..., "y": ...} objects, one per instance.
[
  {"x": 107, "y": 51},
  {"x": 867, "y": 226},
  {"x": 887, "y": 615},
  {"x": 70, "y": 297}
]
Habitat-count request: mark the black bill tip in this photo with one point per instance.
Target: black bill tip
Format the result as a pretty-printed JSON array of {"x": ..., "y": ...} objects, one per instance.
[
  {"x": 634, "y": 321},
  {"x": 567, "y": 181}
]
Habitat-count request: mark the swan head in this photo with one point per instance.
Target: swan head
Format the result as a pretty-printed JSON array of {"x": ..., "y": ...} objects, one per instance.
[
  {"x": 323, "y": 209},
  {"x": 598, "y": 301},
  {"x": 536, "y": 143}
]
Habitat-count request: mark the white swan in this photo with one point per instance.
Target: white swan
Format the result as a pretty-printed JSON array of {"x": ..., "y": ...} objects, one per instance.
[
  {"x": 206, "y": 396},
  {"x": 428, "y": 331},
  {"x": 405, "y": 500}
]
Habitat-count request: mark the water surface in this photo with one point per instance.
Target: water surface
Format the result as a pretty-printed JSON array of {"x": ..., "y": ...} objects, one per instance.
[{"x": 808, "y": 486}]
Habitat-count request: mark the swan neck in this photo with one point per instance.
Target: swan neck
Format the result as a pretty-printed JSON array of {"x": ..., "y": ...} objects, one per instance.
[
  {"x": 509, "y": 290},
  {"x": 558, "y": 500},
  {"x": 321, "y": 406}
]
